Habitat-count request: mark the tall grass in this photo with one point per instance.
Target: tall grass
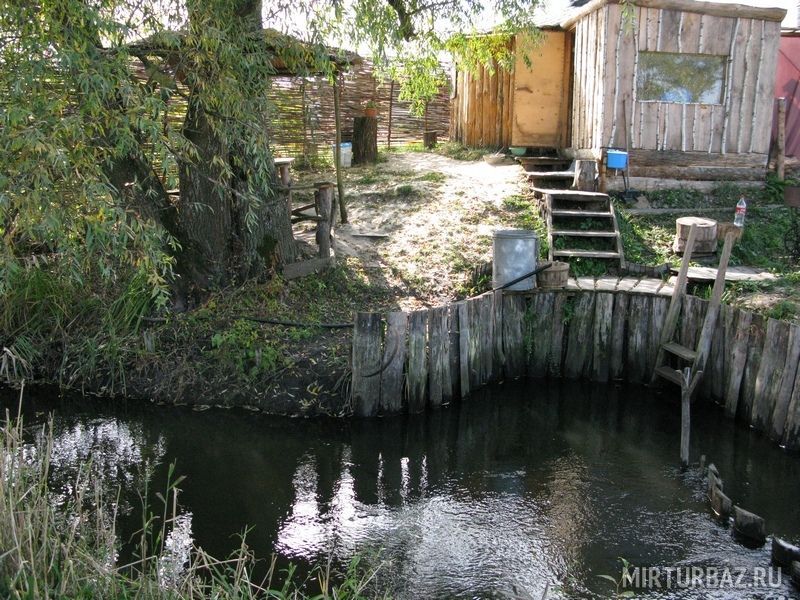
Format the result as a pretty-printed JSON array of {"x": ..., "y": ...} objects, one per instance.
[{"x": 56, "y": 548}]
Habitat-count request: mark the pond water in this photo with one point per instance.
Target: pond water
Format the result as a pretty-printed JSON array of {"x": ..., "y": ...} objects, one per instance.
[{"x": 521, "y": 486}]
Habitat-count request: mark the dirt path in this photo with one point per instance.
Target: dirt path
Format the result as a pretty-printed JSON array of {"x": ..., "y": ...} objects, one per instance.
[{"x": 437, "y": 215}]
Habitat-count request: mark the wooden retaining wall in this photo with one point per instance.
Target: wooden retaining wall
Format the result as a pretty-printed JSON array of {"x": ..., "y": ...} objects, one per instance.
[{"x": 407, "y": 362}]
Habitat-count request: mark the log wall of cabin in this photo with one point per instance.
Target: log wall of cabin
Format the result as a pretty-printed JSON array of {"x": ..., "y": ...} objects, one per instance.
[{"x": 709, "y": 138}]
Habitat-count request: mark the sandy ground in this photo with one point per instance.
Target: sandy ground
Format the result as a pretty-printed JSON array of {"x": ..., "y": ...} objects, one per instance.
[{"x": 424, "y": 218}]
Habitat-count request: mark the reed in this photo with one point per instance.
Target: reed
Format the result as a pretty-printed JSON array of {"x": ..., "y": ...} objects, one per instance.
[{"x": 68, "y": 548}]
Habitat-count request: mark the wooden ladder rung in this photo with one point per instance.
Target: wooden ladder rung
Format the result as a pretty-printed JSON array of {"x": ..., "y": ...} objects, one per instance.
[
  {"x": 584, "y": 233},
  {"x": 680, "y": 351},
  {"x": 587, "y": 253},
  {"x": 558, "y": 212},
  {"x": 669, "y": 374}
]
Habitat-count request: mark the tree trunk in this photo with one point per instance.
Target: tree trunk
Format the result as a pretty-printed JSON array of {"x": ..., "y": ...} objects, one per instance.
[
  {"x": 365, "y": 140},
  {"x": 232, "y": 221}
]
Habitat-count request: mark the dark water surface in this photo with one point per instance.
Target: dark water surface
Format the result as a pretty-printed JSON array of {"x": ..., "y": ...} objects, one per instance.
[{"x": 522, "y": 485}]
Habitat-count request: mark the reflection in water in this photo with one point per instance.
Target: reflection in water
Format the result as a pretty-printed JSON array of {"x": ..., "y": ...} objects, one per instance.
[{"x": 519, "y": 487}]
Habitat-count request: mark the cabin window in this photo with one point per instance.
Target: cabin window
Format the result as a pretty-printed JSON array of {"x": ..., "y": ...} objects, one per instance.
[{"x": 681, "y": 78}]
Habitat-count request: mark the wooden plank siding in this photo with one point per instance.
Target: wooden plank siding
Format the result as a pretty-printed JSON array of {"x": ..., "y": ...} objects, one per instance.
[
  {"x": 609, "y": 114},
  {"x": 481, "y": 107},
  {"x": 589, "y": 93}
]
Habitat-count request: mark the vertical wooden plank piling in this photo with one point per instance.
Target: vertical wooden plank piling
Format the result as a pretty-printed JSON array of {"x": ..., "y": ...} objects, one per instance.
[
  {"x": 475, "y": 337},
  {"x": 736, "y": 363},
  {"x": 755, "y": 348},
  {"x": 769, "y": 374},
  {"x": 447, "y": 373},
  {"x": 435, "y": 344},
  {"x": 417, "y": 377},
  {"x": 454, "y": 352},
  {"x": 580, "y": 336},
  {"x": 464, "y": 379},
  {"x": 791, "y": 431},
  {"x": 658, "y": 315},
  {"x": 486, "y": 340},
  {"x": 787, "y": 383},
  {"x": 618, "y": 336},
  {"x": 366, "y": 385},
  {"x": 555, "y": 355},
  {"x": 603, "y": 315},
  {"x": 638, "y": 341},
  {"x": 497, "y": 333},
  {"x": 394, "y": 359},
  {"x": 513, "y": 345},
  {"x": 539, "y": 329},
  {"x": 714, "y": 380}
]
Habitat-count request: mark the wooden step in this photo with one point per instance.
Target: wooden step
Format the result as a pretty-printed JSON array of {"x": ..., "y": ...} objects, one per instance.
[
  {"x": 680, "y": 351},
  {"x": 571, "y": 194},
  {"x": 586, "y": 253},
  {"x": 560, "y": 212},
  {"x": 669, "y": 374},
  {"x": 585, "y": 233},
  {"x": 556, "y": 175}
]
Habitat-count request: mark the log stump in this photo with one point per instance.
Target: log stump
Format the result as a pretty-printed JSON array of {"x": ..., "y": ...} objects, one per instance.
[
  {"x": 430, "y": 139},
  {"x": 365, "y": 140},
  {"x": 705, "y": 240}
]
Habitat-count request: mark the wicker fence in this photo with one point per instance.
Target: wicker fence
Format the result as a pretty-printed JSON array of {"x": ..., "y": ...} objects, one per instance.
[{"x": 304, "y": 122}]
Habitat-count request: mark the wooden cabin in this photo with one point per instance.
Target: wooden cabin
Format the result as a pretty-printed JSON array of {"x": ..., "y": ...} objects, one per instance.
[{"x": 685, "y": 86}]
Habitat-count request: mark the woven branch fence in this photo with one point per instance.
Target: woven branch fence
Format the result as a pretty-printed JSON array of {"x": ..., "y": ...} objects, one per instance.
[{"x": 304, "y": 121}]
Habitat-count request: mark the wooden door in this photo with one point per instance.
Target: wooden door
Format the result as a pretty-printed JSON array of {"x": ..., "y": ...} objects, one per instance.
[{"x": 541, "y": 92}]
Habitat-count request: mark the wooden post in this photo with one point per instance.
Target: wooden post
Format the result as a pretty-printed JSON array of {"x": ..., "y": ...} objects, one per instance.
[
  {"x": 704, "y": 347},
  {"x": 781, "y": 158},
  {"x": 366, "y": 364},
  {"x": 585, "y": 172},
  {"x": 285, "y": 175},
  {"x": 324, "y": 199},
  {"x": 389, "y": 119},
  {"x": 338, "y": 149},
  {"x": 602, "y": 179},
  {"x": 674, "y": 310},
  {"x": 688, "y": 384}
]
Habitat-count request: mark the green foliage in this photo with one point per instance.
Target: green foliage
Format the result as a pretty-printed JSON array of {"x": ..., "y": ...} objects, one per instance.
[
  {"x": 406, "y": 37},
  {"x": 433, "y": 176},
  {"x": 406, "y": 191},
  {"x": 240, "y": 349}
]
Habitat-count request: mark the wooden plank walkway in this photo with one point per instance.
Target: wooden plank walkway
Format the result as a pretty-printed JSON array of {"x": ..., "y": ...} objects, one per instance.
[
  {"x": 640, "y": 285},
  {"x": 732, "y": 274}
]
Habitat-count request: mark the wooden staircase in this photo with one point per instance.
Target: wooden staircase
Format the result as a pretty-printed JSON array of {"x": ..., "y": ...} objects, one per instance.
[
  {"x": 673, "y": 358},
  {"x": 577, "y": 216}
]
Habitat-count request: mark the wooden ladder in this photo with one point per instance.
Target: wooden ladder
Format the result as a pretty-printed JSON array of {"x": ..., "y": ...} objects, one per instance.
[
  {"x": 667, "y": 345},
  {"x": 581, "y": 207}
]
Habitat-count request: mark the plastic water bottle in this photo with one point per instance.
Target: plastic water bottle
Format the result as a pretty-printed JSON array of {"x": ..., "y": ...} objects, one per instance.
[{"x": 741, "y": 209}]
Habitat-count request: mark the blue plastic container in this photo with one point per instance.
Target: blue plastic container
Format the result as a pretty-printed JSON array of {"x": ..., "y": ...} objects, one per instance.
[{"x": 616, "y": 159}]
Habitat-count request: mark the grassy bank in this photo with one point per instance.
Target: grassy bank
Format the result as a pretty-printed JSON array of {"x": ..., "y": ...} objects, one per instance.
[
  {"x": 63, "y": 543},
  {"x": 420, "y": 234}
]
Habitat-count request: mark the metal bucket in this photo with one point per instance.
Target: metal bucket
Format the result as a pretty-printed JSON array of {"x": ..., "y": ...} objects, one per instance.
[{"x": 514, "y": 255}]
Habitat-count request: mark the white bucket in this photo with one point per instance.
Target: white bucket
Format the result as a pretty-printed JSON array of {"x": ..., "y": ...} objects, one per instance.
[
  {"x": 514, "y": 254},
  {"x": 345, "y": 154}
]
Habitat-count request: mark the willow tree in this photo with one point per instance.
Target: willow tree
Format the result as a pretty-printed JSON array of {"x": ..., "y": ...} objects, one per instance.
[{"x": 135, "y": 135}]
